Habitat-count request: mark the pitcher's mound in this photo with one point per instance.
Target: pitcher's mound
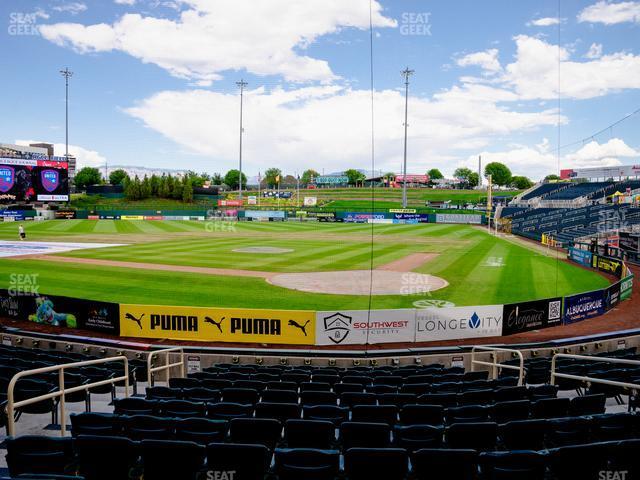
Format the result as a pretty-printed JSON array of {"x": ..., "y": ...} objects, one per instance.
[
  {"x": 262, "y": 250},
  {"x": 359, "y": 282}
]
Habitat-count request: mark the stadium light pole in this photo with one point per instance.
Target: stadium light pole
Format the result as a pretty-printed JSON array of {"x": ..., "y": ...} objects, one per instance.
[
  {"x": 406, "y": 73},
  {"x": 67, "y": 74},
  {"x": 241, "y": 84}
]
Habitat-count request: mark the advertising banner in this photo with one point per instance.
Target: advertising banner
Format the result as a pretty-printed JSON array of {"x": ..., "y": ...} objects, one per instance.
[
  {"x": 583, "y": 306},
  {"x": 61, "y": 311},
  {"x": 357, "y": 327},
  {"x": 30, "y": 182},
  {"x": 264, "y": 214},
  {"x": 65, "y": 214},
  {"x": 612, "y": 296},
  {"x": 131, "y": 217},
  {"x": 293, "y": 327},
  {"x": 535, "y": 315},
  {"x": 361, "y": 217},
  {"x": 310, "y": 201},
  {"x": 229, "y": 203},
  {"x": 453, "y": 323},
  {"x": 626, "y": 287},
  {"x": 458, "y": 218},
  {"x": 612, "y": 266},
  {"x": 411, "y": 217},
  {"x": 582, "y": 257}
]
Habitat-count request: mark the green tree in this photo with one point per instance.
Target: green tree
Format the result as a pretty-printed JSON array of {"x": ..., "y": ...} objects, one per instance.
[
  {"x": 116, "y": 177},
  {"x": 435, "y": 174},
  {"x": 187, "y": 190},
  {"x": 462, "y": 173},
  {"x": 145, "y": 188},
  {"x": 270, "y": 176},
  {"x": 176, "y": 191},
  {"x": 355, "y": 176},
  {"x": 308, "y": 176},
  {"x": 553, "y": 177},
  {"x": 521, "y": 182},
  {"x": 473, "y": 180},
  {"x": 155, "y": 185},
  {"x": 217, "y": 179},
  {"x": 87, "y": 176},
  {"x": 232, "y": 178},
  {"x": 163, "y": 187},
  {"x": 500, "y": 173}
]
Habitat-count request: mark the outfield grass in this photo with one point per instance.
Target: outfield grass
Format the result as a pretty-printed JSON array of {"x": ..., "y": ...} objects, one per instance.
[{"x": 480, "y": 269}]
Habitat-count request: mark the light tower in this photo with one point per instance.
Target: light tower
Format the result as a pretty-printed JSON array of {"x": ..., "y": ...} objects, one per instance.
[
  {"x": 67, "y": 74},
  {"x": 241, "y": 84},
  {"x": 406, "y": 73}
]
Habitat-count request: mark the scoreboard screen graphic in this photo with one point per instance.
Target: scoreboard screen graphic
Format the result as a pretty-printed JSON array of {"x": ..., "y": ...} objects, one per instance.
[{"x": 33, "y": 180}]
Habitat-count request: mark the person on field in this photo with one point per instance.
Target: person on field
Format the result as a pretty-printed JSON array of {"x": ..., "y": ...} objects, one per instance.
[{"x": 21, "y": 233}]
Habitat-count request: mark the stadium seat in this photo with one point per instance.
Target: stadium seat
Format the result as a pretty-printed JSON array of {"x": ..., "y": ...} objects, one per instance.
[
  {"x": 508, "y": 394},
  {"x": 240, "y": 395},
  {"x": 253, "y": 384},
  {"x": 39, "y": 454},
  {"x": 469, "y": 413},
  {"x": 568, "y": 431},
  {"x": 262, "y": 431},
  {"x": 397, "y": 399},
  {"x": 249, "y": 462},
  {"x": 449, "y": 464},
  {"x": 521, "y": 465},
  {"x": 171, "y": 459},
  {"x": 94, "y": 464},
  {"x": 416, "y": 388},
  {"x": 422, "y": 415},
  {"x": 280, "y": 396},
  {"x": 415, "y": 437},
  {"x": 443, "y": 399},
  {"x": 279, "y": 385},
  {"x": 162, "y": 393},
  {"x": 139, "y": 427},
  {"x": 315, "y": 434},
  {"x": 229, "y": 410},
  {"x": 134, "y": 406},
  {"x": 542, "y": 391},
  {"x": 201, "y": 394},
  {"x": 375, "y": 414},
  {"x": 524, "y": 434},
  {"x": 366, "y": 435},
  {"x": 476, "y": 397},
  {"x": 181, "y": 408},
  {"x": 550, "y": 408},
  {"x": 312, "y": 397},
  {"x": 341, "y": 388},
  {"x": 349, "y": 399},
  {"x": 331, "y": 413},
  {"x": 579, "y": 461},
  {"x": 503, "y": 412},
  {"x": 368, "y": 463},
  {"x": 587, "y": 405},
  {"x": 307, "y": 464},
  {"x": 315, "y": 386},
  {"x": 478, "y": 436},
  {"x": 27, "y": 388},
  {"x": 615, "y": 426},
  {"x": 201, "y": 430},
  {"x": 89, "y": 423}
]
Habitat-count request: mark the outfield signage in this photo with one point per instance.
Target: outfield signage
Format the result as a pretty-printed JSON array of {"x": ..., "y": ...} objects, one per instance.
[
  {"x": 434, "y": 324},
  {"x": 402, "y": 210},
  {"x": 612, "y": 266},
  {"x": 264, "y": 214},
  {"x": 410, "y": 218},
  {"x": 458, "y": 218},
  {"x": 583, "y": 306},
  {"x": 626, "y": 287},
  {"x": 612, "y": 295},
  {"x": 535, "y": 315},
  {"x": 583, "y": 257},
  {"x": 360, "y": 327},
  {"x": 361, "y": 217},
  {"x": 331, "y": 179},
  {"x": 290, "y": 327},
  {"x": 57, "y": 311}
]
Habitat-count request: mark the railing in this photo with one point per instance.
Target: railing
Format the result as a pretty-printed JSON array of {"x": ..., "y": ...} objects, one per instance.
[
  {"x": 494, "y": 363},
  {"x": 635, "y": 387},
  {"x": 12, "y": 405},
  {"x": 167, "y": 351}
]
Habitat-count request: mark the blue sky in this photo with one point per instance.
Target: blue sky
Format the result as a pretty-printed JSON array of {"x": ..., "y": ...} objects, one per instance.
[{"x": 154, "y": 82}]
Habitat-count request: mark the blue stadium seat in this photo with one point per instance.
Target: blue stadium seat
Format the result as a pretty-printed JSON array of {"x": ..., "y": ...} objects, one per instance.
[
  {"x": 176, "y": 382},
  {"x": 503, "y": 412},
  {"x": 331, "y": 413},
  {"x": 449, "y": 464},
  {"x": 369, "y": 463},
  {"x": 201, "y": 430},
  {"x": 375, "y": 414},
  {"x": 249, "y": 462},
  {"x": 468, "y": 413},
  {"x": 138, "y": 427},
  {"x": 201, "y": 394},
  {"x": 478, "y": 436},
  {"x": 366, "y": 435},
  {"x": 134, "y": 406},
  {"x": 550, "y": 408},
  {"x": 240, "y": 395},
  {"x": 229, "y": 410},
  {"x": 307, "y": 464},
  {"x": 39, "y": 454},
  {"x": 422, "y": 415},
  {"x": 279, "y": 411},
  {"x": 90, "y": 423},
  {"x": 182, "y": 408},
  {"x": 520, "y": 465},
  {"x": 162, "y": 393},
  {"x": 164, "y": 459},
  {"x": 579, "y": 461},
  {"x": 524, "y": 434},
  {"x": 261, "y": 431},
  {"x": 95, "y": 464},
  {"x": 349, "y": 399},
  {"x": 280, "y": 396},
  {"x": 415, "y": 437},
  {"x": 315, "y": 434},
  {"x": 587, "y": 405},
  {"x": 312, "y": 397}
]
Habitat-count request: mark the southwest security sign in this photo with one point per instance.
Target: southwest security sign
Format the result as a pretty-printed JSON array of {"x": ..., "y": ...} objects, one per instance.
[{"x": 359, "y": 327}]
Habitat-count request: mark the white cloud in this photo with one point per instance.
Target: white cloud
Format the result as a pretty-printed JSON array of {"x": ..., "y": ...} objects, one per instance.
[
  {"x": 329, "y": 126},
  {"x": 611, "y": 13},
  {"x": 540, "y": 161},
  {"x": 73, "y": 8},
  {"x": 544, "y": 22},
  {"x": 595, "y": 51},
  {"x": 84, "y": 156},
  {"x": 264, "y": 37},
  {"x": 125, "y": 2},
  {"x": 487, "y": 60}
]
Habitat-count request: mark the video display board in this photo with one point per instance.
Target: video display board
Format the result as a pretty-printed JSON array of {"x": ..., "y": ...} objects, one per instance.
[{"x": 33, "y": 180}]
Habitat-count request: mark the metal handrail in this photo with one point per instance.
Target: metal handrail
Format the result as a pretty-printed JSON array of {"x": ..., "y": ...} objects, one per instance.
[
  {"x": 583, "y": 378},
  {"x": 62, "y": 391},
  {"x": 494, "y": 364},
  {"x": 167, "y": 351}
]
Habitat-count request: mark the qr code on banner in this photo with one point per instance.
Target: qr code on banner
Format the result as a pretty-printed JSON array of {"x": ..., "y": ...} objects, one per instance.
[{"x": 555, "y": 310}]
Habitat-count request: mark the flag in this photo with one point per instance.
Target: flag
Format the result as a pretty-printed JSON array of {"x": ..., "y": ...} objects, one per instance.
[{"x": 277, "y": 178}]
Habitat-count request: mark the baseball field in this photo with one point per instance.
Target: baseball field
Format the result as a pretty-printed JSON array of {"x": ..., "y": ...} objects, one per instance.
[{"x": 289, "y": 265}]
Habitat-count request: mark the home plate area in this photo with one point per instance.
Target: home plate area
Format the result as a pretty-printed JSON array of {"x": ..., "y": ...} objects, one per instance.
[{"x": 24, "y": 248}]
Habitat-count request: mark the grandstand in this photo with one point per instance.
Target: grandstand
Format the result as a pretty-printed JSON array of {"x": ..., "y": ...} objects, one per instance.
[{"x": 279, "y": 421}]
